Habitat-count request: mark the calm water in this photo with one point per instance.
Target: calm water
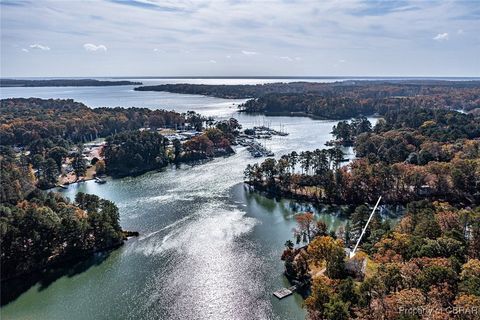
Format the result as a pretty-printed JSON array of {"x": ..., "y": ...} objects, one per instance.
[{"x": 209, "y": 249}]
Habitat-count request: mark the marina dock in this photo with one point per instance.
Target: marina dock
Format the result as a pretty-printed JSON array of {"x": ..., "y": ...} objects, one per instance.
[
  {"x": 256, "y": 149},
  {"x": 249, "y": 138},
  {"x": 267, "y": 132}
]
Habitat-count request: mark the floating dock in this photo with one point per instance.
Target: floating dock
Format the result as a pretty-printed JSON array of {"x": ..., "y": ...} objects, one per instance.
[
  {"x": 284, "y": 292},
  {"x": 255, "y": 148}
]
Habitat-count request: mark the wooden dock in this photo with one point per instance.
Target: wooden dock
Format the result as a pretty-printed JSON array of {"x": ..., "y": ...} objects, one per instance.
[{"x": 284, "y": 292}]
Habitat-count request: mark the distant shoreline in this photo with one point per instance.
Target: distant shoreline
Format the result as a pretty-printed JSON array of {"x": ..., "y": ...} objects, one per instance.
[
  {"x": 9, "y": 83},
  {"x": 457, "y": 78}
]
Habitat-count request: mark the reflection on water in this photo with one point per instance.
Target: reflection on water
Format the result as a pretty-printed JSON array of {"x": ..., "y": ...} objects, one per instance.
[
  {"x": 13, "y": 288},
  {"x": 208, "y": 248}
]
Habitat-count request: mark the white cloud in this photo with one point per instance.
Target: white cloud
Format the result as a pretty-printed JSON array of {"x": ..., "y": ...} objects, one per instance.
[
  {"x": 25, "y": 50},
  {"x": 342, "y": 60},
  {"x": 212, "y": 61},
  {"x": 92, "y": 47},
  {"x": 286, "y": 58},
  {"x": 229, "y": 57},
  {"x": 460, "y": 31},
  {"x": 39, "y": 47},
  {"x": 441, "y": 37},
  {"x": 249, "y": 53}
]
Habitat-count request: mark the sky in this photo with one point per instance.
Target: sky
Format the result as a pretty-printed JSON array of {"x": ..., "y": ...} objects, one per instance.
[{"x": 67, "y": 38}]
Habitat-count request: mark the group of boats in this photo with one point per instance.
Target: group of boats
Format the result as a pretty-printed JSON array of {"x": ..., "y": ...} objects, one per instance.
[
  {"x": 97, "y": 180},
  {"x": 263, "y": 132},
  {"x": 256, "y": 149}
]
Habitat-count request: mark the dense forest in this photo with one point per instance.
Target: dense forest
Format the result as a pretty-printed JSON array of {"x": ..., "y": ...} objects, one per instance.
[
  {"x": 49, "y": 132},
  {"x": 227, "y": 91},
  {"x": 351, "y": 89},
  {"x": 63, "y": 83},
  {"x": 23, "y": 121},
  {"x": 344, "y": 107},
  {"x": 407, "y": 156},
  {"x": 136, "y": 152},
  {"x": 39, "y": 229},
  {"x": 420, "y": 154},
  {"x": 339, "y": 100},
  {"x": 40, "y": 137},
  {"x": 426, "y": 267},
  {"x": 313, "y": 105},
  {"x": 215, "y": 141}
]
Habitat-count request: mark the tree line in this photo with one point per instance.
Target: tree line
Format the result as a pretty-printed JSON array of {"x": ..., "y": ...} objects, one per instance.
[
  {"x": 136, "y": 152},
  {"x": 340, "y": 100},
  {"x": 400, "y": 160},
  {"x": 39, "y": 229},
  {"x": 50, "y": 131},
  {"x": 24, "y": 121},
  {"x": 426, "y": 266}
]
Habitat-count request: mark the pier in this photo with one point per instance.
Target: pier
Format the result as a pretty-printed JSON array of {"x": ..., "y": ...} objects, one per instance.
[
  {"x": 350, "y": 263},
  {"x": 284, "y": 292},
  {"x": 249, "y": 136}
]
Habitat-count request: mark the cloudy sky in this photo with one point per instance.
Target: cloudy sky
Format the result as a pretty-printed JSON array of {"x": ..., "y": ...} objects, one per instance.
[{"x": 239, "y": 38}]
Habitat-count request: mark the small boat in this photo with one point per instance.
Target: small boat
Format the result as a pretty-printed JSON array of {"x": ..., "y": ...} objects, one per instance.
[{"x": 100, "y": 181}]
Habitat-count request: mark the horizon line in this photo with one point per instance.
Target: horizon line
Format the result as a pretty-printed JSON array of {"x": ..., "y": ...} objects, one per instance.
[{"x": 240, "y": 77}]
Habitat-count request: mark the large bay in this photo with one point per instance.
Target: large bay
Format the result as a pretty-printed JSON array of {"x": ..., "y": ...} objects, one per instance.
[{"x": 208, "y": 248}]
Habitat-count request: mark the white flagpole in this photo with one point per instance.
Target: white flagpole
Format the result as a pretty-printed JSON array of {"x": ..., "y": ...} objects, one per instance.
[{"x": 352, "y": 254}]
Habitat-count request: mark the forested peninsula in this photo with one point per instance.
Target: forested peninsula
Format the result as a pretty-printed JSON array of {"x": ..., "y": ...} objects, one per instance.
[
  {"x": 409, "y": 155},
  {"x": 63, "y": 83},
  {"x": 40, "y": 230},
  {"x": 425, "y": 159},
  {"x": 29, "y": 121},
  {"x": 45, "y": 141},
  {"x": 50, "y": 135},
  {"x": 339, "y": 100}
]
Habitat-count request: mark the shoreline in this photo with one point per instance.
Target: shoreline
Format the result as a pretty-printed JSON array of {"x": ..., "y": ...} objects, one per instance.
[
  {"x": 127, "y": 235},
  {"x": 192, "y": 162},
  {"x": 27, "y": 279}
]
